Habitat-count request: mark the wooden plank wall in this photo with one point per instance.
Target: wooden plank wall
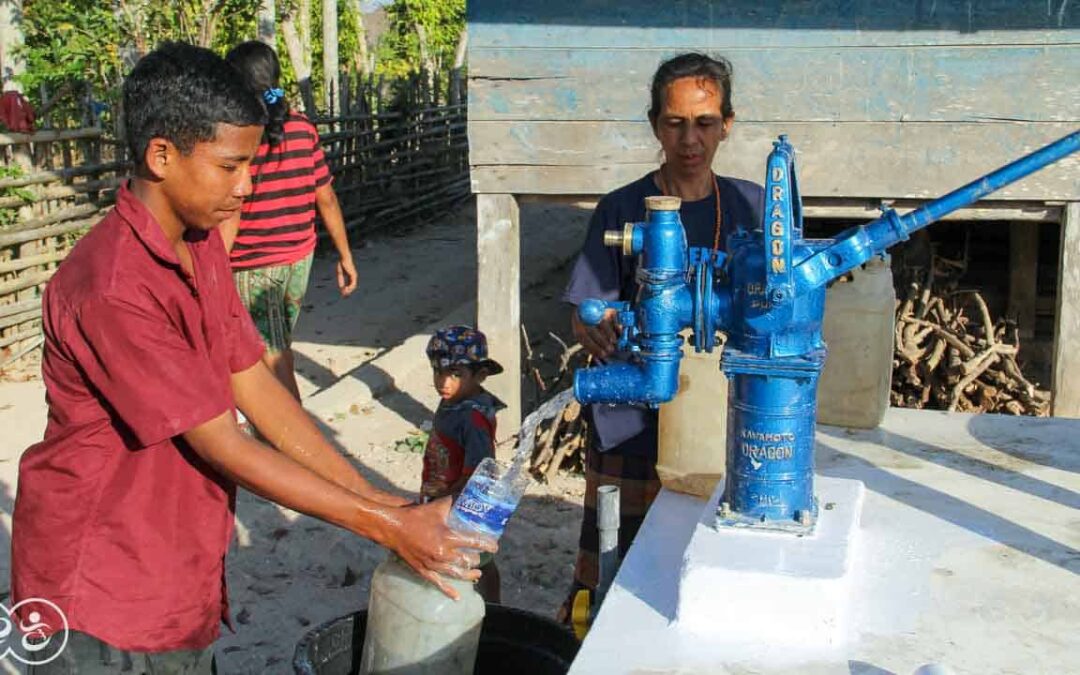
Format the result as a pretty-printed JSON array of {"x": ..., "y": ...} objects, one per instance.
[{"x": 883, "y": 99}]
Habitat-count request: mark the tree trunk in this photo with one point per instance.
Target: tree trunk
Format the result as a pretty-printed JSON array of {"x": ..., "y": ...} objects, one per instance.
[
  {"x": 205, "y": 23},
  {"x": 304, "y": 17},
  {"x": 331, "y": 81},
  {"x": 427, "y": 64},
  {"x": 454, "y": 94},
  {"x": 267, "y": 23},
  {"x": 12, "y": 63},
  {"x": 462, "y": 46},
  {"x": 298, "y": 45},
  {"x": 131, "y": 52},
  {"x": 360, "y": 58}
]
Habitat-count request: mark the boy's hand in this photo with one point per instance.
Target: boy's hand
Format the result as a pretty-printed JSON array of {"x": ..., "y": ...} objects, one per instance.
[{"x": 430, "y": 547}]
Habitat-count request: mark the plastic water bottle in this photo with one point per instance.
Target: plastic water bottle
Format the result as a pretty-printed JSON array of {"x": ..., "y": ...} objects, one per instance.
[
  {"x": 490, "y": 497},
  {"x": 412, "y": 628}
]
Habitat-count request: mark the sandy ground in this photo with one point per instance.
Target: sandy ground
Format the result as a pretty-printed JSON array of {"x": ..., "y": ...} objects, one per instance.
[{"x": 289, "y": 573}]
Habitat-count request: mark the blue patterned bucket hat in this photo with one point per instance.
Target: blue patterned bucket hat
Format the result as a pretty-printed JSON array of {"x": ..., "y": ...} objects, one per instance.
[{"x": 460, "y": 346}]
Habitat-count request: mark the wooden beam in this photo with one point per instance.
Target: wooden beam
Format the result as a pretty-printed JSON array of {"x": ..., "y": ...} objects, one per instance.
[
  {"x": 1023, "y": 275},
  {"x": 873, "y": 159},
  {"x": 858, "y": 84},
  {"x": 50, "y": 136},
  {"x": 868, "y": 209},
  {"x": 1026, "y": 212},
  {"x": 1066, "y": 401},
  {"x": 498, "y": 303}
]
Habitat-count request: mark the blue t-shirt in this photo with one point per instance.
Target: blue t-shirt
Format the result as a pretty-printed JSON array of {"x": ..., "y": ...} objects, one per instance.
[{"x": 603, "y": 272}]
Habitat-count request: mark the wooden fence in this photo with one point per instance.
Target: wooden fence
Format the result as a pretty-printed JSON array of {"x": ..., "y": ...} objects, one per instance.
[
  {"x": 397, "y": 161},
  {"x": 56, "y": 184},
  {"x": 393, "y": 163}
]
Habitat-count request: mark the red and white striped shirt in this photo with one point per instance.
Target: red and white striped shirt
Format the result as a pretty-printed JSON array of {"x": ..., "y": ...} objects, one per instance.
[{"x": 277, "y": 224}]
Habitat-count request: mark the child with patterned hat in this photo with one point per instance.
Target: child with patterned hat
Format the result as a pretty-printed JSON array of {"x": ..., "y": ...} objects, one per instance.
[{"x": 463, "y": 432}]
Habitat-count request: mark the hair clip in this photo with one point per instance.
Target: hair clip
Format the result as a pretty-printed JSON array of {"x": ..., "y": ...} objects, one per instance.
[{"x": 272, "y": 95}]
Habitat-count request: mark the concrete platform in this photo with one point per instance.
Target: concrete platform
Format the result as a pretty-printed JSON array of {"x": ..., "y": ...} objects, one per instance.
[
  {"x": 968, "y": 557},
  {"x": 794, "y": 588}
]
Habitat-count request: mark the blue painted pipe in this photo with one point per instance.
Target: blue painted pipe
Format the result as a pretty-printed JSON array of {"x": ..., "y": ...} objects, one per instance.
[{"x": 650, "y": 333}]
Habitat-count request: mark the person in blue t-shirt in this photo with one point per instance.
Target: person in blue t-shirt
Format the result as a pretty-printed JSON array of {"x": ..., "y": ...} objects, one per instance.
[{"x": 691, "y": 115}]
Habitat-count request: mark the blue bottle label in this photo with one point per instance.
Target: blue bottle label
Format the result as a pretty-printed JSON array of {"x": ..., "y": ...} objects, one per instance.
[{"x": 479, "y": 508}]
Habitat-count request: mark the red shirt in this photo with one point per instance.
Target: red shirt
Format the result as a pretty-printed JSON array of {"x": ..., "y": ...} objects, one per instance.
[
  {"x": 277, "y": 225},
  {"x": 117, "y": 521}
]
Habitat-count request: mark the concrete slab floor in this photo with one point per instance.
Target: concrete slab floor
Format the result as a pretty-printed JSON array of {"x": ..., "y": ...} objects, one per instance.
[{"x": 968, "y": 557}]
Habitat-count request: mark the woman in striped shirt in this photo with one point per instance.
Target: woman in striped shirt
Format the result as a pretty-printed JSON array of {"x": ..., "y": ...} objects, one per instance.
[{"x": 272, "y": 245}]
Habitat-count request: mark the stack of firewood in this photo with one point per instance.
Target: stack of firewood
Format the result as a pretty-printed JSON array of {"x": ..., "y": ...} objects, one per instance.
[
  {"x": 562, "y": 442},
  {"x": 950, "y": 354}
]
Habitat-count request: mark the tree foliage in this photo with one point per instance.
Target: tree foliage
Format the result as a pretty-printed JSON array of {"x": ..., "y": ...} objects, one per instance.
[
  {"x": 217, "y": 24},
  {"x": 440, "y": 21},
  {"x": 67, "y": 44},
  {"x": 311, "y": 42},
  {"x": 75, "y": 45},
  {"x": 78, "y": 50}
]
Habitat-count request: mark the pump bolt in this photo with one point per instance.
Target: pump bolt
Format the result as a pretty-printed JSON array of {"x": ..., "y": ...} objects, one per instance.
[
  {"x": 778, "y": 295},
  {"x": 725, "y": 510}
]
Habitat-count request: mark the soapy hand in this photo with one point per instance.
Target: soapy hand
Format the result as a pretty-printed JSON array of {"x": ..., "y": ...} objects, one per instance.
[{"x": 431, "y": 548}]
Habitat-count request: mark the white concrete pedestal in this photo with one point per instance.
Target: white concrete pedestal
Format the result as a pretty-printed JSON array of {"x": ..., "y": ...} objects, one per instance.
[{"x": 738, "y": 584}]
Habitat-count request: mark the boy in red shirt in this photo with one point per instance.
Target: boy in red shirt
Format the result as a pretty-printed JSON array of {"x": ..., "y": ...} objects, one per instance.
[{"x": 124, "y": 511}]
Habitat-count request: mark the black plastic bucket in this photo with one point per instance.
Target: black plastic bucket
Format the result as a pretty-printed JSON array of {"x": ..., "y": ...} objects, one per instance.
[{"x": 511, "y": 641}]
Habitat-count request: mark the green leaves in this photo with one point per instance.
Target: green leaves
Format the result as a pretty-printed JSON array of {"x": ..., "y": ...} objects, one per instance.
[
  {"x": 64, "y": 47},
  {"x": 399, "y": 50},
  {"x": 415, "y": 442},
  {"x": 11, "y": 216},
  {"x": 77, "y": 50},
  {"x": 74, "y": 44}
]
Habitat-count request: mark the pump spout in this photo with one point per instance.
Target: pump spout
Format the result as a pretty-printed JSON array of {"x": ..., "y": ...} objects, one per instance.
[
  {"x": 649, "y": 382},
  {"x": 857, "y": 245}
]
